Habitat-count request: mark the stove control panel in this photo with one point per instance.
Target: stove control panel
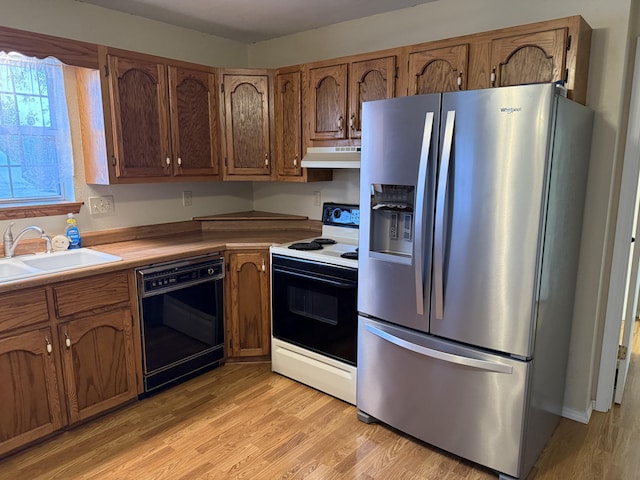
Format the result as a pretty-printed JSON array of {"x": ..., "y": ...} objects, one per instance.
[{"x": 341, "y": 215}]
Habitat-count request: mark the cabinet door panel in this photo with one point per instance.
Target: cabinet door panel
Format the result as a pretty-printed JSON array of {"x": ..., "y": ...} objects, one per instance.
[
  {"x": 251, "y": 334},
  {"x": 139, "y": 99},
  {"x": 247, "y": 124},
  {"x": 98, "y": 363},
  {"x": 328, "y": 102},
  {"x": 193, "y": 122},
  {"x": 29, "y": 395},
  {"x": 532, "y": 58},
  {"x": 438, "y": 70},
  {"x": 288, "y": 124},
  {"x": 369, "y": 80}
]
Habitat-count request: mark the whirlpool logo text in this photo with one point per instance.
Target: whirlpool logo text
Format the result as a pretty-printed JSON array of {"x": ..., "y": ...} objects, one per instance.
[{"x": 510, "y": 110}]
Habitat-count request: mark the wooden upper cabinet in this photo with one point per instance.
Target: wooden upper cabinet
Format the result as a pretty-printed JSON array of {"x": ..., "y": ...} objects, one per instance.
[
  {"x": 247, "y": 125},
  {"x": 139, "y": 105},
  {"x": 288, "y": 123},
  {"x": 369, "y": 80},
  {"x": 530, "y": 58},
  {"x": 194, "y": 124},
  {"x": 438, "y": 70},
  {"x": 29, "y": 396},
  {"x": 328, "y": 102}
]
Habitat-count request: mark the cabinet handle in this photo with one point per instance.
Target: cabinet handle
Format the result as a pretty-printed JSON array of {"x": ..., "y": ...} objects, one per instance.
[
  {"x": 168, "y": 161},
  {"x": 295, "y": 161},
  {"x": 459, "y": 80},
  {"x": 180, "y": 161},
  {"x": 266, "y": 159},
  {"x": 49, "y": 346},
  {"x": 493, "y": 77},
  {"x": 67, "y": 340},
  {"x": 113, "y": 160},
  {"x": 340, "y": 120},
  {"x": 264, "y": 267},
  {"x": 352, "y": 121}
]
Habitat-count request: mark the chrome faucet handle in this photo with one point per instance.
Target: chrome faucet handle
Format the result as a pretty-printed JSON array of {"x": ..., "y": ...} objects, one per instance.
[{"x": 8, "y": 235}]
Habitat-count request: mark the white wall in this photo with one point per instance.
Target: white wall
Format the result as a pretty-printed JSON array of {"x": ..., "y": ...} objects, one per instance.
[{"x": 444, "y": 19}]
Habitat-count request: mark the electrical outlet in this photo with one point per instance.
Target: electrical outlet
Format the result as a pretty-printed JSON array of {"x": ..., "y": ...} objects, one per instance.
[
  {"x": 187, "y": 198},
  {"x": 317, "y": 199},
  {"x": 101, "y": 205}
]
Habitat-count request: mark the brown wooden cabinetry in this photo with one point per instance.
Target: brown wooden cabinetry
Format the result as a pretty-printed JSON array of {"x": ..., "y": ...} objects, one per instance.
[
  {"x": 247, "y": 304},
  {"x": 29, "y": 397},
  {"x": 288, "y": 123},
  {"x": 161, "y": 120},
  {"x": 247, "y": 124},
  {"x": 335, "y": 93},
  {"x": 66, "y": 354},
  {"x": 438, "y": 70}
]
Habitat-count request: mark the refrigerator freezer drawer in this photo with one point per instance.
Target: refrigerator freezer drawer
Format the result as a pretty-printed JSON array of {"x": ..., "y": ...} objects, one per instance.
[{"x": 462, "y": 400}]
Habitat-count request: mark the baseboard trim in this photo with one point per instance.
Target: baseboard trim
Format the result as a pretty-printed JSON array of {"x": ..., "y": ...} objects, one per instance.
[{"x": 578, "y": 415}]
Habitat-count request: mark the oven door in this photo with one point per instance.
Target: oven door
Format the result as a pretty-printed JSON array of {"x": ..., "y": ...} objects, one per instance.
[{"x": 314, "y": 306}]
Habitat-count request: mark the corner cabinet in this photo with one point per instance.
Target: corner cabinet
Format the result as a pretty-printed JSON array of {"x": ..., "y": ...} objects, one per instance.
[
  {"x": 247, "y": 117},
  {"x": 70, "y": 355},
  {"x": 335, "y": 92},
  {"x": 161, "y": 120},
  {"x": 248, "y": 321},
  {"x": 288, "y": 123}
]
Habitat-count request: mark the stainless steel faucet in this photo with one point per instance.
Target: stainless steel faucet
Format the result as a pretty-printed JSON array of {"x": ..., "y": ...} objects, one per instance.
[{"x": 10, "y": 244}]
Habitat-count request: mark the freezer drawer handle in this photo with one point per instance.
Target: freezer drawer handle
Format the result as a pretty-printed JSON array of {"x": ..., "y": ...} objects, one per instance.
[
  {"x": 418, "y": 245},
  {"x": 444, "y": 356}
]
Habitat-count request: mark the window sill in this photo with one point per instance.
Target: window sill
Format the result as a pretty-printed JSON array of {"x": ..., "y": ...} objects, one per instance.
[{"x": 30, "y": 211}]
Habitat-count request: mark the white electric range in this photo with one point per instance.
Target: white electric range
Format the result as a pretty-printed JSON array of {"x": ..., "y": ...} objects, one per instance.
[{"x": 314, "y": 305}]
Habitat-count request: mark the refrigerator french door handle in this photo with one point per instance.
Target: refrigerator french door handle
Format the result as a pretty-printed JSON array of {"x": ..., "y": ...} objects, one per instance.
[
  {"x": 439, "y": 355},
  {"x": 441, "y": 198},
  {"x": 418, "y": 244}
]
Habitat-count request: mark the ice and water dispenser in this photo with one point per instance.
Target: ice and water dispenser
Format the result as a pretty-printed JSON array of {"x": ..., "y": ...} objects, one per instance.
[{"x": 392, "y": 217}]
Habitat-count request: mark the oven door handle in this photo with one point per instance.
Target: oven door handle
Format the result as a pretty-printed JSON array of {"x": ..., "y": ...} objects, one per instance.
[{"x": 316, "y": 278}]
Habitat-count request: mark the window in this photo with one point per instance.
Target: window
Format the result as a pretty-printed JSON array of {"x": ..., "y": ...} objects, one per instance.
[{"x": 36, "y": 164}]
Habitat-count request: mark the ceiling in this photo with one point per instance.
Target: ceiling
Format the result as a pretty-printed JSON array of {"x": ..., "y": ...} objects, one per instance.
[{"x": 251, "y": 21}]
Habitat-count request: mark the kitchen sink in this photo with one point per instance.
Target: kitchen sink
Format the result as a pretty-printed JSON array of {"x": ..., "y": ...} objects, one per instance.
[{"x": 27, "y": 266}]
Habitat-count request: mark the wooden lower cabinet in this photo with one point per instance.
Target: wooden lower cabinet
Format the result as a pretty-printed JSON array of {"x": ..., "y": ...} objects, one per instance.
[
  {"x": 98, "y": 363},
  {"x": 248, "y": 324},
  {"x": 66, "y": 354},
  {"x": 29, "y": 396}
]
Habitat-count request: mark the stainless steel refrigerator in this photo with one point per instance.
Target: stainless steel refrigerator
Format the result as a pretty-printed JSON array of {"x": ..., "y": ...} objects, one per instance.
[{"x": 471, "y": 209}]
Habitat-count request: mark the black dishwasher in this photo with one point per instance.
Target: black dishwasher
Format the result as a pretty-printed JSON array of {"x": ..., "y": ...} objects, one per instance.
[{"x": 181, "y": 315}]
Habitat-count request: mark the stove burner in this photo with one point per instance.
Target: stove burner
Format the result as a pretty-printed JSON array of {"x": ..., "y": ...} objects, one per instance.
[
  {"x": 325, "y": 241},
  {"x": 350, "y": 255},
  {"x": 305, "y": 246}
]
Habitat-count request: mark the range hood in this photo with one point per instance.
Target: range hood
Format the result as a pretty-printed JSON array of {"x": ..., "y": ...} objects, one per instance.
[{"x": 332, "y": 157}]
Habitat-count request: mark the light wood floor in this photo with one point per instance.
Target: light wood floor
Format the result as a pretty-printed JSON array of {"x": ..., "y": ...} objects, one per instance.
[{"x": 244, "y": 422}]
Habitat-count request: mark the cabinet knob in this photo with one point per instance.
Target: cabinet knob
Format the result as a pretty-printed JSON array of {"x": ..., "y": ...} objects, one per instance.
[
  {"x": 266, "y": 159},
  {"x": 493, "y": 77},
  {"x": 67, "y": 340},
  {"x": 459, "y": 81},
  {"x": 179, "y": 161},
  {"x": 49, "y": 346},
  {"x": 295, "y": 161},
  {"x": 168, "y": 161},
  {"x": 340, "y": 120},
  {"x": 352, "y": 121},
  {"x": 264, "y": 267}
]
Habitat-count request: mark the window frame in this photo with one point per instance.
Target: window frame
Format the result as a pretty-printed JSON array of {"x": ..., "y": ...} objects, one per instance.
[{"x": 71, "y": 52}]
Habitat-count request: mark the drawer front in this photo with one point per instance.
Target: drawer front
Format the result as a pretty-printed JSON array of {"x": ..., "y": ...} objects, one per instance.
[
  {"x": 90, "y": 293},
  {"x": 462, "y": 400},
  {"x": 20, "y": 309}
]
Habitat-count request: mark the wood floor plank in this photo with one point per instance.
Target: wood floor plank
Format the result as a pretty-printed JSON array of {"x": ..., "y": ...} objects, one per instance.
[{"x": 241, "y": 421}]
